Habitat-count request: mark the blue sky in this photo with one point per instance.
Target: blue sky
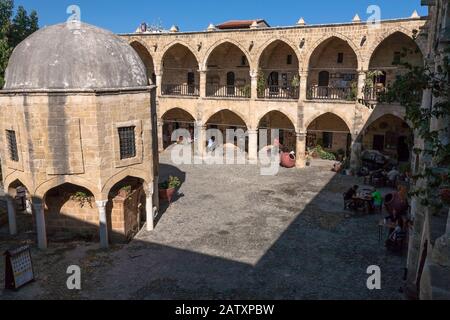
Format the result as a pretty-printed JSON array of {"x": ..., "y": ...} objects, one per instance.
[{"x": 193, "y": 15}]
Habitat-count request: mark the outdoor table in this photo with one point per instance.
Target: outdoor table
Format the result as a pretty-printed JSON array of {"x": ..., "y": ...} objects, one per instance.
[{"x": 363, "y": 202}]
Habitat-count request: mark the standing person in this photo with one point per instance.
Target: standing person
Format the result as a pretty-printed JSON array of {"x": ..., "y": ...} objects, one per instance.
[
  {"x": 377, "y": 200},
  {"x": 393, "y": 175},
  {"x": 212, "y": 144}
]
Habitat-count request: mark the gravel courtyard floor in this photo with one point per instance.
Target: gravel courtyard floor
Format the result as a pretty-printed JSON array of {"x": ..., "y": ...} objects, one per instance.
[{"x": 232, "y": 234}]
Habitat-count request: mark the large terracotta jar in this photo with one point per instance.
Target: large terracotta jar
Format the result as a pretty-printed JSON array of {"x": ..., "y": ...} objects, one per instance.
[
  {"x": 166, "y": 194},
  {"x": 395, "y": 202},
  {"x": 287, "y": 160}
]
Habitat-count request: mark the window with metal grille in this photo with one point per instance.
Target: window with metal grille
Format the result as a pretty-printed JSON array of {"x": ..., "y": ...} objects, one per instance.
[
  {"x": 127, "y": 142},
  {"x": 12, "y": 145}
]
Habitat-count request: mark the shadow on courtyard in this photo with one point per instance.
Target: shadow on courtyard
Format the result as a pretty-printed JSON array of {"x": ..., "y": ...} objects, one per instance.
[{"x": 320, "y": 255}]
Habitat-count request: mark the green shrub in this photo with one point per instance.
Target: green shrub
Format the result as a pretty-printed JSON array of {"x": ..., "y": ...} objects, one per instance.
[
  {"x": 173, "y": 182},
  {"x": 322, "y": 154}
]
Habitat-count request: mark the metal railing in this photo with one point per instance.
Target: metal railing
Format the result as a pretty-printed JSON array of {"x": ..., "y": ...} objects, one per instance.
[
  {"x": 180, "y": 90},
  {"x": 373, "y": 93},
  {"x": 331, "y": 93},
  {"x": 279, "y": 92},
  {"x": 228, "y": 91}
]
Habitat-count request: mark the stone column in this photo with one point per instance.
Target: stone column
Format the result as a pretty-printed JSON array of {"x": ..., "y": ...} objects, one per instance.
[
  {"x": 101, "y": 205},
  {"x": 301, "y": 150},
  {"x": 160, "y": 135},
  {"x": 253, "y": 146},
  {"x": 200, "y": 141},
  {"x": 11, "y": 215},
  {"x": 150, "y": 208},
  {"x": 159, "y": 76},
  {"x": 38, "y": 206},
  {"x": 254, "y": 84},
  {"x": 355, "y": 157},
  {"x": 202, "y": 87},
  {"x": 362, "y": 75},
  {"x": 303, "y": 85}
]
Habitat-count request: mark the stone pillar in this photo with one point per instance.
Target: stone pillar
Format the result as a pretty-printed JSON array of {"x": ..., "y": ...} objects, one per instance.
[
  {"x": 101, "y": 205},
  {"x": 202, "y": 87},
  {"x": 303, "y": 85},
  {"x": 355, "y": 157},
  {"x": 253, "y": 146},
  {"x": 149, "y": 207},
  {"x": 301, "y": 150},
  {"x": 159, "y": 76},
  {"x": 254, "y": 84},
  {"x": 362, "y": 75},
  {"x": 200, "y": 141},
  {"x": 160, "y": 135},
  {"x": 38, "y": 206},
  {"x": 11, "y": 215}
]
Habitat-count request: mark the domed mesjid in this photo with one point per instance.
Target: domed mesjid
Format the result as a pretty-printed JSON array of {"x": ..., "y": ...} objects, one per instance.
[{"x": 74, "y": 56}]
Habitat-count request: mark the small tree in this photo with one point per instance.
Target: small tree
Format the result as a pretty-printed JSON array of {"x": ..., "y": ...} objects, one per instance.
[{"x": 407, "y": 90}]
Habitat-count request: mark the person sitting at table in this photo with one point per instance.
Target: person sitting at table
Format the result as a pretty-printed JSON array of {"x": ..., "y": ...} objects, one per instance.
[
  {"x": 348, "y": 197},
  {"x": 393, "y": 176}
]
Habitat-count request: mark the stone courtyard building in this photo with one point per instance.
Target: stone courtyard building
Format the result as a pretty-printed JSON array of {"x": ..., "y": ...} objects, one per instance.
[
  {"x": 309, "y": 81},
  {"x": 76, "y": 135}
]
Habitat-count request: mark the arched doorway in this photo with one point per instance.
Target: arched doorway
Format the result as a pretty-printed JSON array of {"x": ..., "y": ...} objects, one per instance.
[
  {"x": 333, "y": 71},
  {"x": 71, "y": 214},
  {"x": 391, "y": 136},
  {"x": 275, "y": 120},
  {"x": 21, "y": 204},
  {"x": 176, "y": 119},
  {"x": 228, "y": 72},
  {"x": 146, "y": 59},
  {"x": 384, "y": 63},
  {"x": 331, "y": 133},
  {"x": 228, "y": 120},
  {"x": 180, "y": 76},
  {"x": 279, "y": 66},
  {"x": 126, "y": 209}
]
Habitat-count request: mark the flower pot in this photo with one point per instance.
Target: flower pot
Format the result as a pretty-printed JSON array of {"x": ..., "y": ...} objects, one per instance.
[
  {"x": 287, "y": 160},
  {"x": 166, "y": 194}
]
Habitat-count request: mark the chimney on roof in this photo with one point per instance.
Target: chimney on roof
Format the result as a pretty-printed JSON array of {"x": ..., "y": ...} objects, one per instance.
[
  {"x": 211, "y": 27},
  {"x": 415, "y": 15},
  {"x": 174, "y": 29},
  {"x": 254, "y": 25},
  {"x": 301, "y": 22},
  {"x": 356, "y": 19}
]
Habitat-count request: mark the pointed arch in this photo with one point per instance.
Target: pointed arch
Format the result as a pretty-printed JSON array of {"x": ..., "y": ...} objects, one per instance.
[
  {"x": 43, "y": 188},
  {"x": 239, "y": 116},
  {"x": 271, "y": 41},
  {"x": 213, "y": 47},
  {"x": 127, "y": 172},
  {"x": 281, "y": 115},
  {"x": 147, "y": 58},
  {"x": 307, "y": 56},
  {"x": 172, "y": 44},
  {"x": 382, "y": 36}
]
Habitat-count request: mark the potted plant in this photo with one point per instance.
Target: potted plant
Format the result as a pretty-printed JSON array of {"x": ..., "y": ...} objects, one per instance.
[
  {"x": 308, "y": 160},
  {"x": 125, "y": 191},
  {"x": 168, "y": 188}
]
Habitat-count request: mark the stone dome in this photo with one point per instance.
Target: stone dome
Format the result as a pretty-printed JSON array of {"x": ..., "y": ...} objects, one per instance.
[{"x": 69, "y": 56}]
